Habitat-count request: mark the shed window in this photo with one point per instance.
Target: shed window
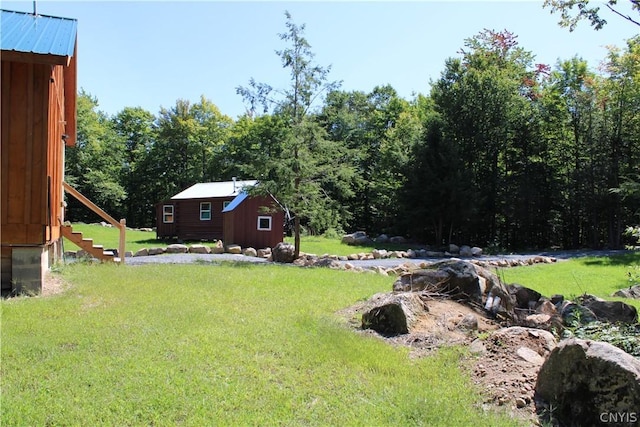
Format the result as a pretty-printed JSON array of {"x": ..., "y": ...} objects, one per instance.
[
  {"x": 225, "y": 204},
  {"x": 167, "y": 214},
  {"x": 264, "y": 223},
  {"x": 205, "y": 211}
]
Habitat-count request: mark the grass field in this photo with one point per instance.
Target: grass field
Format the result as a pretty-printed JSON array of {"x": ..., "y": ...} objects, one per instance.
[
  {"x": 108, "y": 237},
  {"x": 238, "y": 345},
  {"x": 600, "y": 276},
  {"x": 228, "y": 345}
]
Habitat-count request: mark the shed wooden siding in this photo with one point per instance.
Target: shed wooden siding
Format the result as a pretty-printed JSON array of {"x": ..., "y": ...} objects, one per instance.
[
  {"x": 33, "y": 122},
  {"x": 25, "y": 104},
  {"x": 241, "y": 224},
  {"x": 186, "y": 220}
]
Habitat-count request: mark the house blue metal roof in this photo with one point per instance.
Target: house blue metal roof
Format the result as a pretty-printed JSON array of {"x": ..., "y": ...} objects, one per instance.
[
  {"x": 40, "y": 34},
  {"x": 235, "y": 202}
]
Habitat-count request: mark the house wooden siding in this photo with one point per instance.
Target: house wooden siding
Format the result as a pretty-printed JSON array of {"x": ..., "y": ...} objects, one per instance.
[
  {"x": 38, "y": 107},
  {"x": 187, "y": 224},
  {"x": 241, "y": 223}
]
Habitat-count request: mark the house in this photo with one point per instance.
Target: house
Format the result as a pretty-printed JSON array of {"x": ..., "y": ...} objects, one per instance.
[
  {"x": 197, "y": 214},
  {"x": 256, "y": 221},
  {"x": 38, "y": 118}
]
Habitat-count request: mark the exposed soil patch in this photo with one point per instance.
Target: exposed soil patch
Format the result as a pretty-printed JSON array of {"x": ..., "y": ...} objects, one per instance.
[
  {"x": 53, "y": 284},
  {"x": 504, "y": 368}
]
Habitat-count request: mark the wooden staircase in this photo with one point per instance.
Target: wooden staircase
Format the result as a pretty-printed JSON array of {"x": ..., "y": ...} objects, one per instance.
[{"x": 97, "y": 251}]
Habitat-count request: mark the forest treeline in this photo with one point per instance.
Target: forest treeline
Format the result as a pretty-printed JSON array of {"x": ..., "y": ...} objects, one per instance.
[{"x": 501, "y": 152}]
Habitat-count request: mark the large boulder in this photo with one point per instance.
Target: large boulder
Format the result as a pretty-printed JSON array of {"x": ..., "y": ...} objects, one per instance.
[
  {"x": 383, "y": 238},
  {"x": 393, "y": 314},
  {"x": 584, "y": 382},
  {"x": 576, "y": 314},
  {"x": 630, "y": 292},
  {"x": 357, "y": 238},
  {"x": 420, "y": 280},
  {"x": 610, "y": 311},
  {"x": 458, "y": 279},
  {"x": 526, "y": 298},
  {"x": 283, "y": 253}
]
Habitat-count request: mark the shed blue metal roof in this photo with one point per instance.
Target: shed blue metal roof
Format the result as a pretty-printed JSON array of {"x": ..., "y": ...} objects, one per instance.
[
  {"x": 39, "y": 34},
  {"x": 235, "y": 202}
]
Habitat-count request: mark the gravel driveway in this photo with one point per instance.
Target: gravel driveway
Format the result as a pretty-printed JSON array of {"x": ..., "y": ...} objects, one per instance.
[{"x": 386, "y": 263}]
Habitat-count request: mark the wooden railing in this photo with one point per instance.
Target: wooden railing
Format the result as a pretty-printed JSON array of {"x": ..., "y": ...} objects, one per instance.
[{"x": 121, "y": 225}]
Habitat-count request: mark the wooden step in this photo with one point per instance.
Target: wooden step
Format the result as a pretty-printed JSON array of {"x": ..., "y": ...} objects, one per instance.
[{"x": 97, "y": 251}]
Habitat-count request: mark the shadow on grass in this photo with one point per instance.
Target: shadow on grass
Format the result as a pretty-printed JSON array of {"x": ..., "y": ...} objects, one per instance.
[
  {"x": 160, "y": 242},
  {"x": 628, "y": 258},
  {"x": 149, "y": 242}
]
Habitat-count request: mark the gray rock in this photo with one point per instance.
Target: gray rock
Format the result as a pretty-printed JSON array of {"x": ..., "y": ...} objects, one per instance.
[
  {"x": 538, "y": 321},
  {"x": 156, "y": 251},
  {"x": 83, "y": 254},
  {"x": 199, "y": 249},
  {"x": 465, "y": 251},
  {"x": 264, "y": 253},
  {"x": 283, "y": 253},
  {"x": 233, "y": 249},
  {"x": 573, "y": 313},
  {"x": 546, "y": 307},
  {"x": 383, "y": 238},
  {"x": 477, "y": 347},
  {"x": 142, "y": 252},
  {"x": 476, "y": 251},
  {"x": 454, "y": 249},
  {"x": 610, "y": 311},
  {"x": 357, "y": 238},
  {"x": 250, "y": 252},
  {"x": 582, "y": 379},
  {"x": 379, "y": 253},
  {"x": 393, "y": 314},
  {"x": 528, "y": 355},
  {"x": 525, "y": 298},
  {"x": 177, "y": 248},
  {"x": 468, "y": 322},
  {"x": 218, "y": 248},
  {"x": 630, "y": 292},
  {"x": 459, "y": 279},
  {"x": 327, "y": 262}
]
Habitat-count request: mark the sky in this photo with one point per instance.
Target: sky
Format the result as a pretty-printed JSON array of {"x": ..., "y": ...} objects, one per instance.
[{"x": 149, "y": 54}]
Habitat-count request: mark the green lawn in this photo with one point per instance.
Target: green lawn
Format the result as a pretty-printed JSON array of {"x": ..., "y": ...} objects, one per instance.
[
  {"x": 237, "y": 345},
  {"x": 108, "y": 237},
  {"x": 600, "y": 276},
  {"x": 221, "y": 345}
]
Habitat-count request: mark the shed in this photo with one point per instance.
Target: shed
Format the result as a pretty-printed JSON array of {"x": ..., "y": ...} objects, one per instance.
[
  {"x": 196, "y": 212},
  {"x": 39, "y": 63},
  {"x": 253, "y": 221}
]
